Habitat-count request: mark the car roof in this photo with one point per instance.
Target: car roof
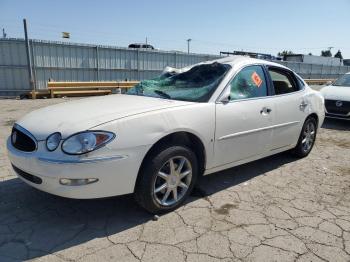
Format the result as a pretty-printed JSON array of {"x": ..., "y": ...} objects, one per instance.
[
  {"x": 235, "y": 61},
  {"x": 240, "y": 61}
]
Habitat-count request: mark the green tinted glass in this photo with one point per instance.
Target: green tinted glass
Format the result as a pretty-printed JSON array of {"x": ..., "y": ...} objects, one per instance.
[{"x": 250, "y": 82}]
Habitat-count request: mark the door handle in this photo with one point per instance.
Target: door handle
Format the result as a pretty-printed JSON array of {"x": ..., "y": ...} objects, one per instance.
[
  {"x": 265, "y": 110},
  {"x": 303, "y": 105}
]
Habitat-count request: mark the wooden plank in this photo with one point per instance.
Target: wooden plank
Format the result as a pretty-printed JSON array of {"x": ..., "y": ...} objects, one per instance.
[
  {"x": 38, "y": 94},
  {"x": 73, "y": 84},
  {"x": 73, "y": 87},
  {"x": 88, "y": 87},
  {"x": 318, "y": 81},
  {"x": 97, "y": 84},
  {"x": 83, "y": 92},
  {"x": 80, "y": 92}
]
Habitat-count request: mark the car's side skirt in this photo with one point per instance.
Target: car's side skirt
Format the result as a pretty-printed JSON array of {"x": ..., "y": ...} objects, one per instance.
[{"x": 247, "y": 160}]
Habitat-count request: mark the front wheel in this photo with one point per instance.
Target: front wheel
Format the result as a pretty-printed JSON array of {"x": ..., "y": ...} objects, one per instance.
[
  {"x": 166, "y": 179},
  {"x": 307, "y": 138}
]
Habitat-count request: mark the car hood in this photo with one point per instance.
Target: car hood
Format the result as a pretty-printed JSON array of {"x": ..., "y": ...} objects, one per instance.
[
  {"x": 336, "y": 93},
  {"x": 79, "y": 115}
]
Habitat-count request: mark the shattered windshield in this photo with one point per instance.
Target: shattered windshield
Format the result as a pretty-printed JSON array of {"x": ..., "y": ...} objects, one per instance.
[
  {"x": 194, "y": 85},
  {"x": 343, "y": 81}
]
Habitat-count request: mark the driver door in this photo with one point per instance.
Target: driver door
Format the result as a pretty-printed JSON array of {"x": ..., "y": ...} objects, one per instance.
[{"x": 243, "y": 124}]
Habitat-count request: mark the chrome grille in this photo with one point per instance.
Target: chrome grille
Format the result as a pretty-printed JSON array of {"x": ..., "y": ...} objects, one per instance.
[{"x": 337, "y": 107}]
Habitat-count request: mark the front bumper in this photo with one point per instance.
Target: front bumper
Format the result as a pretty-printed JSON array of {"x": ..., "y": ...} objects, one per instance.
[
  {"x": 340, "y": 111},
  {"x": 116, "y": 174},
  {"x": 338, "y": 116}
]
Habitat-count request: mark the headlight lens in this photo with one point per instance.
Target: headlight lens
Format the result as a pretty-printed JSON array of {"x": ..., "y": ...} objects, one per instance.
[
  {"x": 53, "y": 141},
  {"x": 85, "y": 142}
]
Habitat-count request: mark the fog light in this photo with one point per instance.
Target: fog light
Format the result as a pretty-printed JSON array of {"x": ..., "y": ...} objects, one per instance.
[{"x": 77, "y": 182}]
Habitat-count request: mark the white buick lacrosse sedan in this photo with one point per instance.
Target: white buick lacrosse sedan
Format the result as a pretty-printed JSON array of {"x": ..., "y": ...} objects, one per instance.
[{"x": 157, "y": 139}]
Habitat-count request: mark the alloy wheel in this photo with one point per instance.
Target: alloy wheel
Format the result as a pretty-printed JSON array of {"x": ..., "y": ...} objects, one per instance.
[
  {"x": 172, "y": 181},
  {"x": 308, "y": 137}
]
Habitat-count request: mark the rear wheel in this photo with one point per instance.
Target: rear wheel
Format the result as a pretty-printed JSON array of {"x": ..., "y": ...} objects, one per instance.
[
  {"x": 307, "y": 138},
  {"x": 166, "y": 179}
]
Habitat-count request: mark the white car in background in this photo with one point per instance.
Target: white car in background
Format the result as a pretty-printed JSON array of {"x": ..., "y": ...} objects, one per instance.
[
  {"x": 337, "y": 98},
  {"x": 158, "y": 138}
]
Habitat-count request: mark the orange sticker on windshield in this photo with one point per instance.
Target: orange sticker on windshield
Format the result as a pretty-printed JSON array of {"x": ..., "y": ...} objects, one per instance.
[{"x": 256, "y": 79}]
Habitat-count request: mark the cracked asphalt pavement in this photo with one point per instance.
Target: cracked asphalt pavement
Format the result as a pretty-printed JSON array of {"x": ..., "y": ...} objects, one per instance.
[{"x": 276, "y": 209}]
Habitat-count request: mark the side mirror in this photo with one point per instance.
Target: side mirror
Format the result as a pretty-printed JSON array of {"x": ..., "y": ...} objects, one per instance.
[{"x": 225, "y": 98}]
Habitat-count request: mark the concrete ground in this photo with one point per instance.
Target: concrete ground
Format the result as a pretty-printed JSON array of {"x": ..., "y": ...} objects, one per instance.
[{"x": 275, "y": 209}]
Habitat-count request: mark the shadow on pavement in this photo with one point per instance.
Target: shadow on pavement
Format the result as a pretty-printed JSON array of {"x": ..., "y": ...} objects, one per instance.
[
  {"x": 216, "y": 182},
  {"x": 336, "y": 124},
  {"x": 34, "y": 224}
]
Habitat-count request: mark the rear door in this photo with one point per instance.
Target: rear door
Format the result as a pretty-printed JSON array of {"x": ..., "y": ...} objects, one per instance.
[
  {"x": 243, "y": 124},
  {"x": 290, "y": 103}
]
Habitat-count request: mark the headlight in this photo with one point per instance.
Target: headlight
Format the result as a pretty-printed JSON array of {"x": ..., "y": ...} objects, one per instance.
[
  {"x": 85, "y": 142},
  {"x": 53, "y": 141}
]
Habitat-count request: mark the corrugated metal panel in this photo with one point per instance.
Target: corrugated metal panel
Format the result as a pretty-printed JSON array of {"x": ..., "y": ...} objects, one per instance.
[
  {"x": 78, "y": 62},
  {"x": 310, "y": 59}
]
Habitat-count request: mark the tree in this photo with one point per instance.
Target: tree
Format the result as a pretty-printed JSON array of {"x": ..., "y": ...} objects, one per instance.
[
  {"x": 285, "y": 52},
  {"x": 326, "y": 53},
  {"x": 339, "y": 55}
]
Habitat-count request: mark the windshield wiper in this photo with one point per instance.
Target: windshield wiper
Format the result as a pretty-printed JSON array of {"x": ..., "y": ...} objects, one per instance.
[{"x": 161, "y": 93}]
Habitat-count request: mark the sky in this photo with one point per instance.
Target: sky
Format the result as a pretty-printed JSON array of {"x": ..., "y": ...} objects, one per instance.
[{"x": 266, "y": 26}]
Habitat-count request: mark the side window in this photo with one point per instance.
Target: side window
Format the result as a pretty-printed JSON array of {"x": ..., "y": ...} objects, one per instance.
[
  {"x": 282, "y": 82},
  {"x": 300, "y": 82},
  {"x": 250, "y": 82}
]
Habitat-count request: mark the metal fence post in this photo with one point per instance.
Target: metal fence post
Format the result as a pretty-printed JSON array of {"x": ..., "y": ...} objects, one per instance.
[
  {"x": 97, "y": 64},
  {"x": 34, "y": 67},
  {"x": 310, "y": 76},
  {"x": 138, "y": 64},
  {"x": 29, "y": 60}
]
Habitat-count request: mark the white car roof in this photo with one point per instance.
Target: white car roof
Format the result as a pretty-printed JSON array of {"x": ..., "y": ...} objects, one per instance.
[
  {"x": 236, "y": 61},
  {"x": 245, "y": 60}
]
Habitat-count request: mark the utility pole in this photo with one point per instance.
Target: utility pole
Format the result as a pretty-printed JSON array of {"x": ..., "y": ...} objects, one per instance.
[
  {"x": 4, "y": 33},
  {"x": 29, "y": 60},
  {"x": 188, "y": 45},
  {"x": 146, "y": 40}
]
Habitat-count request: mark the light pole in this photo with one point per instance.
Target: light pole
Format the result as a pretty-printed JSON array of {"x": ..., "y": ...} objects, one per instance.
[{"x": 188, "y": 45}]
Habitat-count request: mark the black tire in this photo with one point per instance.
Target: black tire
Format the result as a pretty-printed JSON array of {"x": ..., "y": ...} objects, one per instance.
[
  {"x": 148, "y": 177},
  {"x": 301, "y": 150}
]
